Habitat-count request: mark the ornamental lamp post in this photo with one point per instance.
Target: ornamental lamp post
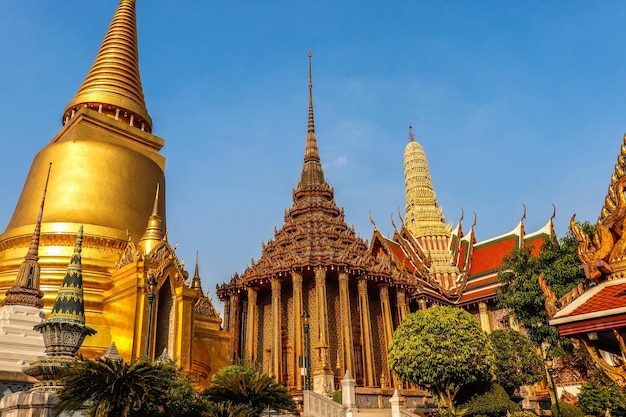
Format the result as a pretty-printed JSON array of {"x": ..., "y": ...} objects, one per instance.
[
  {"x": 550, "y": 367},
  {"x": 152, "y": 282},
  {"x": 307, "y": 382}
]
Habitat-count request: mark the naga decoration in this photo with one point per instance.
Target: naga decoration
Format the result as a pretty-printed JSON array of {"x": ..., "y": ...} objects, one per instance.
[{"x": 608, "y": 244}]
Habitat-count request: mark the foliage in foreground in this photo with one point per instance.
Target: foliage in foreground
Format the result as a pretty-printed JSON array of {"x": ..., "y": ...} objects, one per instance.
[
  {"x": 559, "y": 262},
  {"x": 252, "y": 391},
  {"x": 119, "y": 389},
  {"x": 600, "y": 396},
  {"x": 443, "y": 348},
  {"x": 523, "y": 414},
  {"x": 567, "y": 410},
  {"x": 517, "y": 361},
  {"x": 485, "y": 399}
]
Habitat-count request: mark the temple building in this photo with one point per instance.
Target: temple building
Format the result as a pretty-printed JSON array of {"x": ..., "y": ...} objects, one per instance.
[
  {"x": 108, "y": 175},
  {"x": 441, "y": 264},
  {"x": 595, "y": 312},
  {"x": 320, "y": 292}
]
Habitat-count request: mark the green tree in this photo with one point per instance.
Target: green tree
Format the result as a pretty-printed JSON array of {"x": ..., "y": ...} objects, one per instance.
[
  {"x": 521, "y": 293},
  {"x": 114, "y": 388},
  {"x": 255, "y": 391},
  {"x": 517, "y": 361},
  {"x": 442, "y": 348},
  {"x": 600, "y": 396}
]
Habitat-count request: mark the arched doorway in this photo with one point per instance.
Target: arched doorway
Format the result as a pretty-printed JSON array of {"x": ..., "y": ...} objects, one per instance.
[{"x": 165, "y": 327}]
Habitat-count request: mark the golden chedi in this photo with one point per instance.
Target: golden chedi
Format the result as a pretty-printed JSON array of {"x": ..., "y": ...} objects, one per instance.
[{"x": 106, "y": 170}]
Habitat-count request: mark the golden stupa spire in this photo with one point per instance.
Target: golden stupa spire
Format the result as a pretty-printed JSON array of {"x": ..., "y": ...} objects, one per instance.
[
  {"x": 26, "y": 290},
  {"x": 423, "y": 214},
  {"x": 312, "y": 173},
  {"x": 113, "y": 84},
  {"x": 154, "y": 231},
  {"x": 196, "y": 283}
]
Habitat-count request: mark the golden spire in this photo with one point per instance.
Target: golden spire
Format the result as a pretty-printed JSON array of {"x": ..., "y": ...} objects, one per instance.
[
  {"x": 312, "y": 173},
  {"x": 423, "y": 214},
  {"x": 26, "y": 290},
  {"x": 113, "y": 84},
  {"x": 154, "y": 231},
  {"x": 196, "y": 283}
]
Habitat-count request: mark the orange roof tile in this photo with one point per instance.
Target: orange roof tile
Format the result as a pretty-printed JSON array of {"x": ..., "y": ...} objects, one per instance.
[
  {"x": 609, "y": 297},
  {"x": 489, "y": 257},
  {"x": 535, "y": 243}
]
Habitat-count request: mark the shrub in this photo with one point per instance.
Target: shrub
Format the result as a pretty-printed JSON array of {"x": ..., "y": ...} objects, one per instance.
[
  {"x": 523, "y": 414},
  {"x": 338, "y": 396},
  {"x": 488, "y": 400},
  {"x": 567, "y": 410}
]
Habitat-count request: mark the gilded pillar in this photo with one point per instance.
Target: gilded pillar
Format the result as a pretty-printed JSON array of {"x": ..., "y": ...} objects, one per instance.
[
  {"x": 483, "y": 312},
  {"x": 235, "y": 315},
  {"x": 323, "y": 377},
  {"x": 403, "y": 311},
  {"x": 346, "y": 324},
  {"x": 298, "y": 310},
  {"x": 385, "y": 309},
  {"x": 277, "y": 339},
  {"x": 366, "y": 334},
  {"x": 251, "y": 326}
]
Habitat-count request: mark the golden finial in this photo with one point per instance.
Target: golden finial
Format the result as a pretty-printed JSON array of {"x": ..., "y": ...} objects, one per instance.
[
  {"x": 312, "y": 173},
  {"x": 154, "y": 233},
  {"x": 411, "y": 134},
  {"x": 196, "y": 282},
  {"x": 113, "y": 84},
  {"x": 311, "y": 121}
]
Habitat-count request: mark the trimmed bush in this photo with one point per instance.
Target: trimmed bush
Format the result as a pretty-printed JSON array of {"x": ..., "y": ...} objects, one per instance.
[
  {"x": 567, "y": 410},
  {"x": 523, "y": 414},
  {"x": 338, "y": 396},
  {"x": 490, "y": 401}
]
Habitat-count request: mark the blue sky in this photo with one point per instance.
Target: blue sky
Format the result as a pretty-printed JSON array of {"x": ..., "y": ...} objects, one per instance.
[{"x": 514, "y": 103}]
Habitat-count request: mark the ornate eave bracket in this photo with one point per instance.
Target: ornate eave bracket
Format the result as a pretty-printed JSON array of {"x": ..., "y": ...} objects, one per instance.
[{"x": 616, "y": 372}]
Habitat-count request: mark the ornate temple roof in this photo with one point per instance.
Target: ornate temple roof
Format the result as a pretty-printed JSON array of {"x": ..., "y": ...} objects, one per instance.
[
  {"x": 113, "y": 84},
  {"x": 315, "y": 233}
]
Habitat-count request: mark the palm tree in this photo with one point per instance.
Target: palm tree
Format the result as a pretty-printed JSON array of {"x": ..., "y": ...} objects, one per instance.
[
  {"x": 113, "y": 388},
  {"x": 240, "y": 384}
]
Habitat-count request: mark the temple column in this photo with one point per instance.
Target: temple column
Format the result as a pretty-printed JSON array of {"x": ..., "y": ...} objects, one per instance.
[
  {"x": 403, "y": 311},
  {"x": 235, "y": 315},
  {"x": 483, "y": 312},
  {"x": 298, "y": 310},
  {"x": 227, "y": 314},
  {"x": 323, "y": 378},
  {"x": 346, "y": 323},
  {"x": 385, "y": 309},
  {"x": 251, "y": 326},
  {"x": 366, "y": 335},
  {"x": 277, "y": 339}
]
